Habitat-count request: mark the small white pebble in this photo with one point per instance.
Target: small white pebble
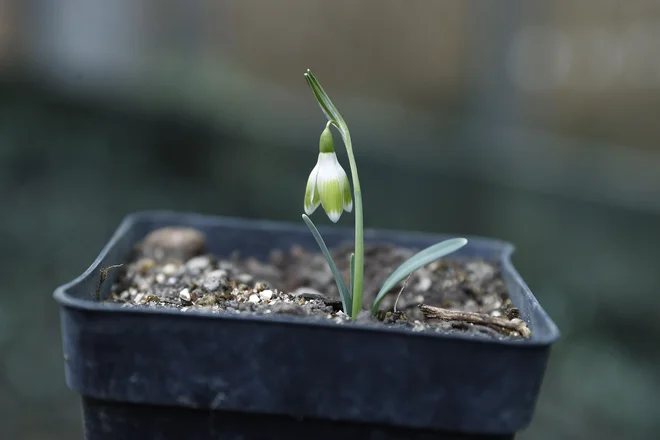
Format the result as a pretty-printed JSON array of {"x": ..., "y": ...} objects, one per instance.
[
  {"x": 183, "y": 309},
  {"x": 184, "y": 295},
  {"x": 254, "y": 298},
  {"x": 171, "y": 281},
  {"x": 424, "y": 284},
  {"x": 138, "y": 298},
  {"x": 244, "y": 278},
  {"x": 132, "y": 291},
  {"x": 266, "y": 295},
  {"x": 447, "y": 284},
  {"x": 124, "y": 295},
  {"x": 160, "y": 278},
  {"x": 170, "y": 269},
  {"x": 197, "y": 265},
  {"x": 225, "y": 265},
  {"x": 471, "y": 306},
  {"x": 418, "y": 327},
  {"x": 339, "y": 313},
  {"x": 220, "y": 273},
  {"x": 496, "y": 313}
]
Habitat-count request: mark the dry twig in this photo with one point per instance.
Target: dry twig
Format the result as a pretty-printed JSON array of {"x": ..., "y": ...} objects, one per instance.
[
  {"x": 501, "y": 325},
  {"x": 103, "y": 275}
]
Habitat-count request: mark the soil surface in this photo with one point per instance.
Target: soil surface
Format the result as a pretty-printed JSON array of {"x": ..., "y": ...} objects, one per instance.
[{"x": 171, "y": 269}]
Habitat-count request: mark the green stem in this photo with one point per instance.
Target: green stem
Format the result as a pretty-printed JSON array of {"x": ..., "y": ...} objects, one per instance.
[
  {"x": 356, "y": 288},
  {"x": 333, "y": 115}
]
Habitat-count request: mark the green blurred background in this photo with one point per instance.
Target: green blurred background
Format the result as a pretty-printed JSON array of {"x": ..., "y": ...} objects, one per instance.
[{"x": 534, "y": 122}]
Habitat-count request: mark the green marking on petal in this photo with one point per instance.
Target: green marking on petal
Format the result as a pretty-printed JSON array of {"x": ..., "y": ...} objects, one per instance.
[
  {"x": 348, "y": 197},
  {"x": 331, "y": 198}
]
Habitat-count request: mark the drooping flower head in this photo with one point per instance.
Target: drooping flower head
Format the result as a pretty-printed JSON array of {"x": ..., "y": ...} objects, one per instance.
[{"x": 328, "y": 183}]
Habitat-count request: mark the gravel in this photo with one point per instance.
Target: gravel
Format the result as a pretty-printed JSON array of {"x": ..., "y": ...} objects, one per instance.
[{"x": 169, "y": 271}]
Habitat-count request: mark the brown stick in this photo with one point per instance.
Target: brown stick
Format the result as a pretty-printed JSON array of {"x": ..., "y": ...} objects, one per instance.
[
  {"x": 501, "y": 325},
  {"x": 103, "y": 275}
]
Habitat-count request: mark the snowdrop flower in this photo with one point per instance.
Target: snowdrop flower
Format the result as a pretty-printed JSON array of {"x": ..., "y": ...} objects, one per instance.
[{"x": 328, "y": 183}]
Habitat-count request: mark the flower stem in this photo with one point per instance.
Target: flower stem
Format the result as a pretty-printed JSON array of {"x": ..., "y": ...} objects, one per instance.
[
  {"x": 359, "y": 252},
  {"x": 356, "y": 288},
  {"x": 333, "y": 115}
]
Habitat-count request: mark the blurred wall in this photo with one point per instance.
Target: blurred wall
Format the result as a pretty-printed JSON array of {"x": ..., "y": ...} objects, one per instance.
[{"x": 543, "y": 89}]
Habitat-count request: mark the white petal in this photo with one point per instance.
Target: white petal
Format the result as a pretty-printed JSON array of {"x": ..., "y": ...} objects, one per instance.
[
  {"x": 334, "y": 216},
  {"x": 329, "y": 183},
  {"x": 312, "y": 199},
  {"x": 329, "y": 168}
]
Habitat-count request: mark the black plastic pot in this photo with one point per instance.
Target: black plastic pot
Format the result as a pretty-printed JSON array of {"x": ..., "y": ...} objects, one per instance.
[{"x": 154, "y": 374}]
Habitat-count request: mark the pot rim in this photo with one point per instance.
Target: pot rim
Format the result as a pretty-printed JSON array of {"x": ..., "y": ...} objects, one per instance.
[{"x": 62, "y": 296}]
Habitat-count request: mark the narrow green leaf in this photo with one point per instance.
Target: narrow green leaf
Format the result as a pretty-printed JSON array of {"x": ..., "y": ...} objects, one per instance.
[
  {"x": 420, "y": 259},
  {"x": 323, "y": 99},
  {"x": 329, "y": 109},
  {"x": 319, "y": 98},
  {"x": 343, "y": 291},
  {"x": 352, "y": 271}
]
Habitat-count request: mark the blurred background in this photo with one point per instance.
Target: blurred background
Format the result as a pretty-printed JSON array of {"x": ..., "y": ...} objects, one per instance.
[{"x": 534, "y": 122}]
